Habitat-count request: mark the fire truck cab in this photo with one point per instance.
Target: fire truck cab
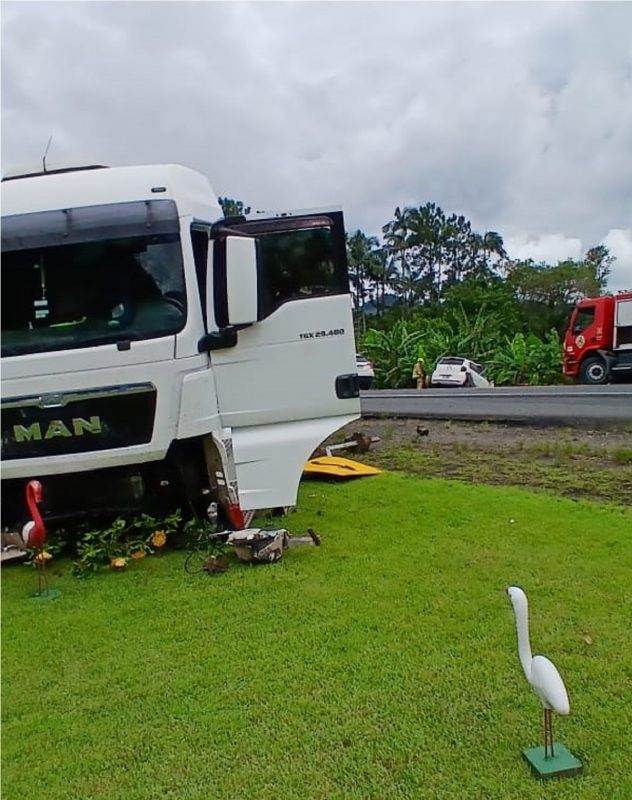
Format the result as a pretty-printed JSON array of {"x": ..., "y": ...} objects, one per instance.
[{"x": 598, "y": 340}]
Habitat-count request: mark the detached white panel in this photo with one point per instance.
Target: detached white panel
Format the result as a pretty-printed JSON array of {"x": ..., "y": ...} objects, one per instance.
[{"x": 270, "y": 459}]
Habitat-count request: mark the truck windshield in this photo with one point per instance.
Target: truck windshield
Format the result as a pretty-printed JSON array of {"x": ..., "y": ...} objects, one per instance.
[{"x": 103, "y": 276}]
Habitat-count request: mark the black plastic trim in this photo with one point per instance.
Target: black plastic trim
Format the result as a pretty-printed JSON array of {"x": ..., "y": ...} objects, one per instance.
[
  {"x": 347, "y": 386},
  {"x": 218, "y": 340}
]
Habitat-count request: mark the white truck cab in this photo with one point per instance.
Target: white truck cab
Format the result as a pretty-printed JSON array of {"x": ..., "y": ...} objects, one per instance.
[{"x": 153, "y": 350}]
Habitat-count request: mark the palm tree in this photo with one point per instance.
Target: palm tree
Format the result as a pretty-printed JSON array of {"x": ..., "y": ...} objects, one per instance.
[
  {"x": 383, "y": 276},
  {"x": 493, "y": 245},
  {"x": 395, "y": 233},
  {"x": 361, "y": 251}
]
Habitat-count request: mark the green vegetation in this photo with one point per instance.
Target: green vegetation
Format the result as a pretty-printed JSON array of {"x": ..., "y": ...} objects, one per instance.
[
  {"x": 623, "y": 455},
  {"x": 508, "y": 360},
  {"x": 382, "y": 664}
]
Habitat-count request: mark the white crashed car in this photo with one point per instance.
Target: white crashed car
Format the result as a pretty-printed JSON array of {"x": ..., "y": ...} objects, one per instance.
[
  {"x": 457, "y": 372},
  {"x": 365, "y": 371}
]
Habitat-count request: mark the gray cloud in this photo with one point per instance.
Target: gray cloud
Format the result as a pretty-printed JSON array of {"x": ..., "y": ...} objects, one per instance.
[{"x": 517, "y": 115}]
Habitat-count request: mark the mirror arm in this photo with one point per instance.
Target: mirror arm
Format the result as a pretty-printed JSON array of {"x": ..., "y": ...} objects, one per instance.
[{"x": 218, "y": 340}]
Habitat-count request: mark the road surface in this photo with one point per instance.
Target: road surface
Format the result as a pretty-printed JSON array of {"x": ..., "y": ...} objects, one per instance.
[{"x": 545, "y": 405}]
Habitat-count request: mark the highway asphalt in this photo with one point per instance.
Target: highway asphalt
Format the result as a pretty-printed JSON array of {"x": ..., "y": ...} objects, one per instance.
[{"x": 536, "y": 405}]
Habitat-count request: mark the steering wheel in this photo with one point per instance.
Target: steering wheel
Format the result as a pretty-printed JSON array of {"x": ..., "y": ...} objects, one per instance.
[{"x": 175, "y": 299}]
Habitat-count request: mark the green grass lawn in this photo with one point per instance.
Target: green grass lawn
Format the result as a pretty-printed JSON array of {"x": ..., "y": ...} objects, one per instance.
[{"x": 381, "y": 665}]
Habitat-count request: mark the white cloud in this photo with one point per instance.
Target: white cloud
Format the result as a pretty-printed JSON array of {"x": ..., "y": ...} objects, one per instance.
[
  {"x": 552, "y": 248},
  {"x": 518, "y": 115},
  {"x": 619, "y": 243},
  {"x": 549, "y": 249}
]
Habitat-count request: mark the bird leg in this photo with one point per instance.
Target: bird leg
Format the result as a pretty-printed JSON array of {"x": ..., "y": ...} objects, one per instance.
[
  {"x": 38, "y": 563},
  {"x": 548, "y": 733},
  {"x": 44, "y": 575}
]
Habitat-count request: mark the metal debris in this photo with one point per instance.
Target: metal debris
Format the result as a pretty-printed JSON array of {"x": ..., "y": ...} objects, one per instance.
[
  {"x": 266, "y": 545},
  {"x": 359, "y": 443}
]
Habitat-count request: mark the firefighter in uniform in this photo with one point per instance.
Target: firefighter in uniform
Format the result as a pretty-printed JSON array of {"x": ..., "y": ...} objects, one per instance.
[{"x": 419, "y": 373}]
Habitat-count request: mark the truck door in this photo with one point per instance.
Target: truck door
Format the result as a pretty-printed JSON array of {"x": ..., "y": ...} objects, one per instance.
[
  {"x": 289, "y": 379},
  {"x": 586, "y": 327}
]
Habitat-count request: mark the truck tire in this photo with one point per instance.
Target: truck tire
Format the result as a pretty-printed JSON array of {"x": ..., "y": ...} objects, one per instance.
[{"x": 593, "y": 371}]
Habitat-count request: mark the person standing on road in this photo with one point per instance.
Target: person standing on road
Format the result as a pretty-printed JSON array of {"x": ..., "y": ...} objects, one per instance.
[{"x": 419, "y": 373}]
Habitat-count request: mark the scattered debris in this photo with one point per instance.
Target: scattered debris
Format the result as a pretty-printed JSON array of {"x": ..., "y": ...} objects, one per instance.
[
  {"x": 215, "y": 565},
  {"x": 314, "y": 536},
  {"x": 267, "y": 545},
  {"x": 12, "y": 547},
  {"x": 358, "y": 442},
  {"x": 337, "y": 467},
  {"x": 259, "y": 544},
  {"x": 311, "y": 538}
]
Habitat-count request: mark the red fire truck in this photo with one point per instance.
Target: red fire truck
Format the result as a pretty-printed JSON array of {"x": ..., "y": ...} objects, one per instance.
[{"x": 598, "y": 340}]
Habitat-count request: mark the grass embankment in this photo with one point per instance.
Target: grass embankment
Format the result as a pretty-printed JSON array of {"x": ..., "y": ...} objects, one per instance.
[
  {"x": 382, "y": 665},
  {"x": 560, "y": 464}
]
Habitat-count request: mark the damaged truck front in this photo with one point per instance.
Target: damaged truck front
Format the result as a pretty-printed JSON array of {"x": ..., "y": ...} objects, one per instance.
[{"x": 154, "y": 353}]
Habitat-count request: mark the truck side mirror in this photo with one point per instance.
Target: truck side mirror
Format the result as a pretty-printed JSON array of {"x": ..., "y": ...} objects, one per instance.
[
  {"x": 242, "y": 280},
  {"x": 232, "y": 286}
]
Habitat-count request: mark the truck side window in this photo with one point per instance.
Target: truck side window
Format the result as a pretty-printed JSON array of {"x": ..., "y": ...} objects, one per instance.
[
  {"x": 584, "y": 318},
  {"x": 300, "y": 258},
  {"x": 297, "y": 264}
]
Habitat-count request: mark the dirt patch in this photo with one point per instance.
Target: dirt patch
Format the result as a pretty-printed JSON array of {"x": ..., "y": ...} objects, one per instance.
[{"x": 594, "y": 464}]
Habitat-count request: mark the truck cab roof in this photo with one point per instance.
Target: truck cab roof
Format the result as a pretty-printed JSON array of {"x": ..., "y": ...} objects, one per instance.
[{"x": 95, "y": 185}]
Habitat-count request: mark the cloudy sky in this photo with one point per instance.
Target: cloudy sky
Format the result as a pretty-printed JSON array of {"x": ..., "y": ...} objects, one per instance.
[{"x": 517, "y": 115}]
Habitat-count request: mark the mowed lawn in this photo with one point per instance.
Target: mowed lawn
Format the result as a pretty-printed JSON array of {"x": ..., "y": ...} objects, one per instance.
[{"x": 381, "y": 665}]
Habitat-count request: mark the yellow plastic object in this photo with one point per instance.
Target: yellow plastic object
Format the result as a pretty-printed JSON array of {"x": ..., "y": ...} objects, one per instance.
[{"x": 336, "y": 467}]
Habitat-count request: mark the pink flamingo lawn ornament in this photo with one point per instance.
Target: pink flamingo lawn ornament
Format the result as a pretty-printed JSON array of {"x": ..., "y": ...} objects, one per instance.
[{"x": 34, "y": 533}]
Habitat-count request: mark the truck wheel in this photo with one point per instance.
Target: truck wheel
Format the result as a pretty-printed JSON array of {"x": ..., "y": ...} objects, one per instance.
[{"x": 593, "y": 370}]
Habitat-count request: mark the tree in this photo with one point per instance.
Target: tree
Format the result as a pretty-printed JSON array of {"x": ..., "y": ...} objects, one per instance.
[
  {"x": 233, "y": 208},
  {"x": 548, "y": 293},
  {"x": 493, "y": 245},
  {"x": 382, "y": 278},
  {"x": 599, "y": 260},
  {"x": 362, "y": 260},
  {"x": 488, "y": 291},
  {"x": 395, "y": 233}
]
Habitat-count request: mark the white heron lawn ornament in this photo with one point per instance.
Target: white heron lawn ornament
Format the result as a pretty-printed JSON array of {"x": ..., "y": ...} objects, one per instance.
[{"x": 547, "y": 683}]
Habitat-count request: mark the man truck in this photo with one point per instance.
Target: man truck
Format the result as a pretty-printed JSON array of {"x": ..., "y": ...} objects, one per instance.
[
  {"x": 155, "y": 352},
  {"x": 598, "y": 340}
]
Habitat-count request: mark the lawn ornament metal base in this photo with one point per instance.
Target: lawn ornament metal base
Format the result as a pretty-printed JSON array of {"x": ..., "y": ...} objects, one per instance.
[
  {"x": 560, "y": 764},
  {"x": 46, "y": 594}
]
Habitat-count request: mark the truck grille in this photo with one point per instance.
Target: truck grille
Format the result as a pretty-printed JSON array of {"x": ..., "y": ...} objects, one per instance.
[{"x": 78, "y": 422}]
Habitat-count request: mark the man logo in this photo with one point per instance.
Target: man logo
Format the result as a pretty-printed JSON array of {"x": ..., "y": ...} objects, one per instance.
[{"x": 57, "y": 427}]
